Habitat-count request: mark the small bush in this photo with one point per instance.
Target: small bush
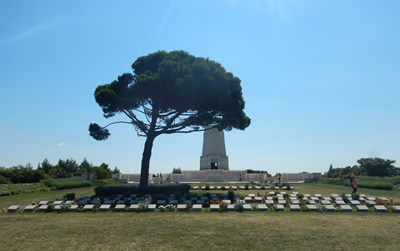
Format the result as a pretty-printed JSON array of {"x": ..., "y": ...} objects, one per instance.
[
  {"x": 69, "y": 196},
  {"x": 239, "y": 206},
  {"x": 223, "y": 207},
  {"x": 66, "y": 183}
]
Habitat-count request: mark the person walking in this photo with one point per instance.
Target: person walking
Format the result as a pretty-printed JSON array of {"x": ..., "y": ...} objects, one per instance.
[
  {"x": 279, "y": 177},
  {"x": 353, "y": 183}
]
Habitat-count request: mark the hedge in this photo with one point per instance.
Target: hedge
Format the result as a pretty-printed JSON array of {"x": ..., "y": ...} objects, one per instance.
[
  {"x": 112, "y": 190},
  {"x": 66, "y": 183}
]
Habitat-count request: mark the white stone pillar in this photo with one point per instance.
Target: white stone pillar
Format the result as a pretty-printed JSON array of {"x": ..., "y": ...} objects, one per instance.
[{"x": 214, "y": 153}]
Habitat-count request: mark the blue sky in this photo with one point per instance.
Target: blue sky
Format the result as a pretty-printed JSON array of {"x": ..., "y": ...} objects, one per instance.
[{"x": 320, "y": 79}]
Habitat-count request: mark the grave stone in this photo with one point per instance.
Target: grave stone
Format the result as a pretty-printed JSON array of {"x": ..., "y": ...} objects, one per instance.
[
  {"x": 294, "y": 208},
  {"x": 73, "y": 208},
  {"x": 251, "y": 195},
  {"x": 214, "y": 208},
  {"x": 43, "y": 202},
  {"x": 312, "y": 208},
  {"x": 340, "y": 202},
  {"x": 181, "y": 207},
  {"x": 231, "y": 207},
  {"x": 247, "y": 199},
  {"x": 370, "y": 202},
  {"x": 346, "y": 208},
  {"x": 246, "y": 207},
  {"x": 105, "y": 207},
  {"x": 242, "y": 187},
  {"x": 279, "y": 207},
  {"x": 151, "y": 207},
  {"x": 57, "y": 202},
  {"x": 13, "y": 209},
  {"x": 380, "y": 208},
  {"x": 197, "y": 208},
  {"x": 262, "y": 207},
  {"x": 43, "y": 208},
  {"x": 330, "y": 208},
  {"x": 30, "y": 208},
  {"x": 119, "y": 207},
  {"x": 269, "y": 202},
  {"x": 227, "y": 201},
  {"x": 326, "y": 202},
  {"x": 362, "y": 208},
  {"x": 282, "y": 202},
  {"x": 295, "y": 202},
  {"x": 396, "y": 209},
  {"x": 88, "y": 207},
  {"x": 258, "y": 199},
  {"x": 134, "y": 207},
  {"x": 355, "y": 202}
]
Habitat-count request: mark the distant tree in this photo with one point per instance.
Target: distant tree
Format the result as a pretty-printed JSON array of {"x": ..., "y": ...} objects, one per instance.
[
  {"x": 177, "y": 170},
  {"x": 116, "y": 171},
  {"x": 378, "y": 167},
  {"x": 101, "y": 173},
  {"x": 172, "y": 93},
  {"x": 104, "y": 166},
  {"x": 85, "y": 167}
]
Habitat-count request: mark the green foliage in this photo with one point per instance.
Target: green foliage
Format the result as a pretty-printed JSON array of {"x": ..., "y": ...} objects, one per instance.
[
  {"x": 143, "y": 205},
  {"x": 20, "y": 174},
  {"x": 223, "y": 207},
  {"x": 110, "y": 190},
  {"x": 172, "y": 92},
  {"x": 177, "y": 170},
  {"x": 66, "y": 183},
  {"x": 367, "y": 167},
  {"x": 383, "y": 183},
  {"x": 239, "y": 206},
  {"x": 11, "y": 189},
  {"x": 231, "y": 195},
  {"x": 101, "y": 173},
  {"x": 258, "y": 171},
  {"x": 69, "y": 196}
]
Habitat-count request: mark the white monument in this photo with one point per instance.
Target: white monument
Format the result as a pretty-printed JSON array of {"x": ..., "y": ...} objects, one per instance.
[{"x": 214, "y": 153}]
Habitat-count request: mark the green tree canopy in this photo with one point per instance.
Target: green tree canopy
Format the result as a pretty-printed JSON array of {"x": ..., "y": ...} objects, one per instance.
[
  {"x": 378, "y": 167},
  {"x": 172, "y": 92}
]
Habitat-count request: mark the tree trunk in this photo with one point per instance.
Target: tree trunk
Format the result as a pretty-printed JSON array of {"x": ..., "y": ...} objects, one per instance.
[{"x": 144, "y": 174}]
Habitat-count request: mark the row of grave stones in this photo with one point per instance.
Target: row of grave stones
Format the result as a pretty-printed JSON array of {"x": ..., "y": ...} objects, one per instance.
[
  {"x": 276, "y": 201},
  {"x": 240, "y": 187}
]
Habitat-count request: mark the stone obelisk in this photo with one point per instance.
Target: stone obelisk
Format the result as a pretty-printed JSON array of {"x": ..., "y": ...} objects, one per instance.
[{"x": 214, "y": 153}]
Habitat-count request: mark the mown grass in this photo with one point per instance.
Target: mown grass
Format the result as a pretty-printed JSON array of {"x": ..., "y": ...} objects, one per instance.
[
  {"x": 11, "y": 189},
  {"x": 199, "y": 231},
  {"x": 28, "y": 198}
]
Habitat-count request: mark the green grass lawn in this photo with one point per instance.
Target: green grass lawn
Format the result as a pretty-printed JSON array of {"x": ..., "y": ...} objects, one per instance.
[{"x": 199, "y": 231}]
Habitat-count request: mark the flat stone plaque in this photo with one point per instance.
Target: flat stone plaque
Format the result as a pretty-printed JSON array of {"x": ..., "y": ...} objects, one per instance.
[
  {"x": 247, "y": 207},
  {"x": 231, "y": 207},
  {"x": 262, "y": 207},
  {"x": 318, "y": 195},
  {"x": 234, "y": 187},
  {"x": 43, "y": 208},
  {"x": 312, "y": 208},
  {"x": 105, "y": 207},
  {"x": 57, "y": 202},
  {"x": 13, "y": 208},
  {"x": 219, "y": 187},
  {"x": 355, "y": 202},
  {"x": 279, "y": 207},
  {"x": 396, "y": 209},
  {"x": 242, "y": 187},
  {"x": 134, "y": 207},
  {"x": 380, "y": 208},
  {"x": 271, "y": 193},
  {"x": 197, "y": 208},
  {"x": 346, "y": 208},
  {"x": 330, "y": 208},
  {"x": 151, "y": 207},
  {"x": 295, "y": 202},
  {"x": 29, "y": 208},
  {"x": 119, "y": 208},
  {"x": 306, "y": 195},
  {"x": 283, "y": 202},
  {"x": 315, "y": 198},
  {"x": 335, "y": 195},
  {"x": 226, "y": 187},
  {"x": 340, "y": 202},
  {"x": 227, "y": 201},
  {"x": 311, "y": 202},
  {"x": 181, "y": 207},
  {"x": 251, "y": 195},
  {"x": 370, "y": 202},
  {"x": 362, "y": 208},
  {"x": 294, "y": 208},
  {"x": 371, "y": 198},
  {"x": 43, "y": 202},
  {"x": 73, "y": 208},
  {"x": 195, "y": 188},
  {"x": 214, "y": 208},
  {"x": 326, "y": 202},
  {"x": 269, "y": 202},
  {"x": 247, "y": 199},
  {"x": 258, "y": 199},
  {"x": 88, "y": 207}
]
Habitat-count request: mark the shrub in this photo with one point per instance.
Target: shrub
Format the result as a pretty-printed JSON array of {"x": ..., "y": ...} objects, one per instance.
[
  {"x": 231, "y": 195},
  {"x": 246, "y": 187},
  {"x": 143, "y": 205},
  {"x": 239, "y": 206},
  {"x": 66, "y": 183},
  {"x": 69, "y": 196},
  {"x": 207, "y": 187},
  {"x": 223, "y": 207},
  {"x": 10, "y": 189},
  {"x": 166, "y": 189}
]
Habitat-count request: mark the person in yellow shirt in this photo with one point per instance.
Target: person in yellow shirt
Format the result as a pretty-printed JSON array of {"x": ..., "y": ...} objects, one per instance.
[{"x": 353, "y": 183}]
